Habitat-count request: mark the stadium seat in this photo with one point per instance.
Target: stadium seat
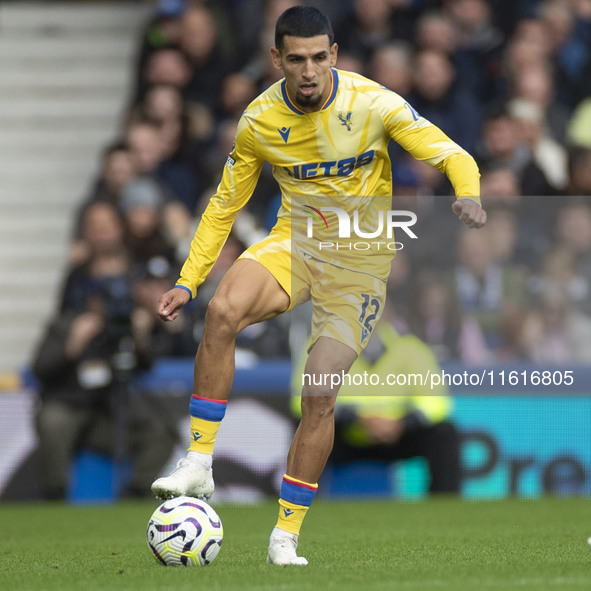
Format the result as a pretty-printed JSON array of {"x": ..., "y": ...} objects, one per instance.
[{"x": 93, "y": 478}]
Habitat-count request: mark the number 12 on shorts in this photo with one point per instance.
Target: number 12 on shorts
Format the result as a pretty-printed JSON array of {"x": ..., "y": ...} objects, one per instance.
[{"x": 369, "y": 312}]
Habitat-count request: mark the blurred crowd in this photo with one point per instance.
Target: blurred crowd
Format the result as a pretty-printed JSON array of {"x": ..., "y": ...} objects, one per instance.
[{"x": 509, "y": 81}]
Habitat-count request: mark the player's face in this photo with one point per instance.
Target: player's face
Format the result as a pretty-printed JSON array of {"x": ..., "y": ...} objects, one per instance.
[{"x": 306, "y": 64}]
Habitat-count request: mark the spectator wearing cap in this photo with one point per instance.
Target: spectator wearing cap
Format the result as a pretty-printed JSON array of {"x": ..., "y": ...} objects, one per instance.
[{"x": 141, "y": 205}]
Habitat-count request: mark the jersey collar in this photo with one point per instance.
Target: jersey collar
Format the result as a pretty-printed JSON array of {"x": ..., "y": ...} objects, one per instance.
[{"x": 333, "y": 92}]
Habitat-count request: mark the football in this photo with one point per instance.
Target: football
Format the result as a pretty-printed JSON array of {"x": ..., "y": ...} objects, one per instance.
[{"x": 185, "y": 532}]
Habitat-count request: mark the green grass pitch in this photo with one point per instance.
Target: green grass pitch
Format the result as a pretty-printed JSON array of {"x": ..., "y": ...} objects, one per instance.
[{"x": 439, "y": 545}]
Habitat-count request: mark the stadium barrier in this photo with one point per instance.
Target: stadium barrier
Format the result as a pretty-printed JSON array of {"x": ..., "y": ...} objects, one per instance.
[{"x": 520, "y": 439}]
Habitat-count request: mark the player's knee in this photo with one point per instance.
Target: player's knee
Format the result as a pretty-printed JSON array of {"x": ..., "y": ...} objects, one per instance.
[{"x": 222, "y": 316}]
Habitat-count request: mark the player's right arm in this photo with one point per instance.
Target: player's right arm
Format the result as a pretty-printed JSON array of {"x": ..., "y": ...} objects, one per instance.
[{"x": 239, "y": 179}]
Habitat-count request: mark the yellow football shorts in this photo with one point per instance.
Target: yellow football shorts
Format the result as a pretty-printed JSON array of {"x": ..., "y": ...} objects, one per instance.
[{"x": 346, "y": 304}]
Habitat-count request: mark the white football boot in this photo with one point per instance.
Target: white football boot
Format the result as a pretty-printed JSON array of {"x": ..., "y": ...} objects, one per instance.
[
  {"x": 191, "y": 479},
  {"x": 282, "y": 549}
]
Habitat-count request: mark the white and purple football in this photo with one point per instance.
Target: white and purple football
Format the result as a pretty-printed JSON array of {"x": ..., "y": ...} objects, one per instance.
[{"x": 185, "y": 532}]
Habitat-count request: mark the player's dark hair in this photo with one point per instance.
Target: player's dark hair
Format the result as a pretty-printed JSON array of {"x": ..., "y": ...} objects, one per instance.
[{"x": 302, "y": 21}]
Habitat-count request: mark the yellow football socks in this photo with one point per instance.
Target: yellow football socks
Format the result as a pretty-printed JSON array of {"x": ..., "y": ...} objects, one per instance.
[
  {"x": 295, "y": 499},
  {"x": 206, "y": 417}
]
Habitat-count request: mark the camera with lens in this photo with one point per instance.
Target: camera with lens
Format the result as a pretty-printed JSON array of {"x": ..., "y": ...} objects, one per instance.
[{"x": 118, "y": 306}]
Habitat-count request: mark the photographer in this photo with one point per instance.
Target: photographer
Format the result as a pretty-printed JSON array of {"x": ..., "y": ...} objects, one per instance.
[{"x": 85, "y": 363}]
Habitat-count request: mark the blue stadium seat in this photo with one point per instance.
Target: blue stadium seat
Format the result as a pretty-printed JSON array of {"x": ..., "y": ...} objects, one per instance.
[{"x": 94, "y": 478}]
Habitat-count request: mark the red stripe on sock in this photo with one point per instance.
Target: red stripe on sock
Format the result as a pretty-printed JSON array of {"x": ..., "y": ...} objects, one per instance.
[
  {"x": 209, "y": 399},
  {"x": 302, "y": 484}
]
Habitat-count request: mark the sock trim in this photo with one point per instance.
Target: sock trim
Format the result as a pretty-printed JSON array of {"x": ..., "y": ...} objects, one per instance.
[
  {"x": 297, "y": 482},
  {"x": 197, "y": 397},
  {"x": 207, "y": 410},
  {"x": 297, "y": 492}
]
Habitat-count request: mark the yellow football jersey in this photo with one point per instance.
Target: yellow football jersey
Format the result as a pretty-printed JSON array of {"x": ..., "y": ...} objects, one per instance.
[{"x": 336, "y": 151}]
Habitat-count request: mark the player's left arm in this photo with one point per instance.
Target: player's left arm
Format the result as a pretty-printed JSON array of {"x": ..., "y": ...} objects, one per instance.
[
  {"x": 470, "y": 212},
  {"x": 427, "y": 143},
  {"x": 462, "y": 171}
]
